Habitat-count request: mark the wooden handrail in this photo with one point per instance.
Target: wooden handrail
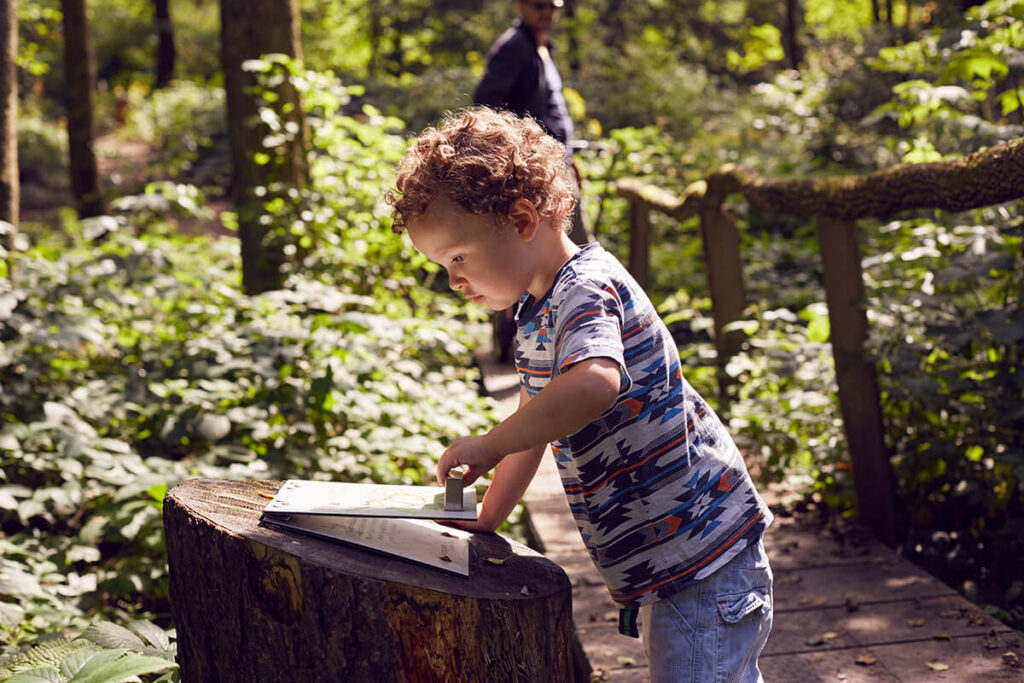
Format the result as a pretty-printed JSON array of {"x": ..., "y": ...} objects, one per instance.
[{"x": 992, "y": 176}]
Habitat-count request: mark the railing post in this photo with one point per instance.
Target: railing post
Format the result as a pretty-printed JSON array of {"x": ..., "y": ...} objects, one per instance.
[
  {"x": 721, "y": 242},
  {"x": 856, "y": 375},
  {"x": 639, "y": 241}
]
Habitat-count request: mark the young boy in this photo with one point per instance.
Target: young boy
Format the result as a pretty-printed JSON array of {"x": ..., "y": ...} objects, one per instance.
[{"x": 659, "y": 491}]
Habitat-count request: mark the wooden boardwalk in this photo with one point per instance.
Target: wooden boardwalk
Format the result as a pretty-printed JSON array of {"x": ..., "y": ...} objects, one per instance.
[{"x": 846, "y": 607}]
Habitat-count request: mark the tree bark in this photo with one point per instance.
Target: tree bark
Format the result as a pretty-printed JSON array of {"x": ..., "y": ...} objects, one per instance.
[
  {"x": 791, "y": 44},
  {"x": 991, "y": 176},
  {"x": 165, "y": 54},
  {"x": 252, "y": 603},
  {"x": 80, "y": 78},
  {"x": 9, "y": 187},
  {"x": 249, "y": 29}
]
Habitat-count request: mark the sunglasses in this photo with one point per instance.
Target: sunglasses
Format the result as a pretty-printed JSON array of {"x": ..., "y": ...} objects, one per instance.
[{"x": 541, "y": 6}]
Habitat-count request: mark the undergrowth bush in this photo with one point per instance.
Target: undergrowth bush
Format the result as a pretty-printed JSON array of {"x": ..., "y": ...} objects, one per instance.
[{"x": 130, "y": 360}]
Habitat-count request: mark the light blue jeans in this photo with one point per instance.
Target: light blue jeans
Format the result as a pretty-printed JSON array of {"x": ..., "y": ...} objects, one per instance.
[{"x": 712, "y": 631}]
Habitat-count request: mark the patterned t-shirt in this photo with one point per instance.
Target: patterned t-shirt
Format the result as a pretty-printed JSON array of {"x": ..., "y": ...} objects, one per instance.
[{"x": 658, "y": 489}]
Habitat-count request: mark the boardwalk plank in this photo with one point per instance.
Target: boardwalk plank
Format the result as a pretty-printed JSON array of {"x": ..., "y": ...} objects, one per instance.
[{"x": 861, "y": 583}]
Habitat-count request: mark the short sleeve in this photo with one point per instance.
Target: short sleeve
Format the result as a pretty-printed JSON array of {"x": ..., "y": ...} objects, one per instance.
[{"x": 589, "y": 325}]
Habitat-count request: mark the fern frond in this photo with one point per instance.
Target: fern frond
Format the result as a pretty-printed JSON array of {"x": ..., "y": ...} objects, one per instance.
[{"x": 47, "y": 653}]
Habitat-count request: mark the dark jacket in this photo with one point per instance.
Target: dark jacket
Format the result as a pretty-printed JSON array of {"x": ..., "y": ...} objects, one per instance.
[{"x": 515, "y": 80}]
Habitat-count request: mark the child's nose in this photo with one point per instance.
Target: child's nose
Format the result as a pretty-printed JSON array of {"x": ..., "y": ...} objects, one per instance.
[{"x": 456, "y": 282}]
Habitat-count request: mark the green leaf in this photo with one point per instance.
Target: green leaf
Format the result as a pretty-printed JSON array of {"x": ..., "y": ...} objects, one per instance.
[
  {"x": 156, "y": 636},
  {"x": 10, "y": 615},
  {"x": 14, "y": 581},
  {"x": 108, "y": 634},
  {"x": 73, "y": 663},
  {"x": 43, "y": 674},
  {"x": 818, "y": 330},
  {"x": 110, "y": 666}
]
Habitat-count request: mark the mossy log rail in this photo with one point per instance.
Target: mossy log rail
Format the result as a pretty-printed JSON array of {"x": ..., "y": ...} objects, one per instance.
[
  {"x": 992, "y": 176},
  {"x": 252, "y": 603}
]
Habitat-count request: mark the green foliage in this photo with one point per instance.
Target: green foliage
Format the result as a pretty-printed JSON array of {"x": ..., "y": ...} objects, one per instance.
[
  {"x": 952, "y": 386},
  {"x": 955, "y": 93},
  {"x": 104, "y": 653},
  {"x": 130, "y": 360},
  {"x": 42, "y": 151},
  {"x": 178, "y": 124}
]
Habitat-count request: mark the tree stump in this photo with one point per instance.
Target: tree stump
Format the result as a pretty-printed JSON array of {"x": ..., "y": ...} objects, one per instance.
[{"x": 253, "y": 603}]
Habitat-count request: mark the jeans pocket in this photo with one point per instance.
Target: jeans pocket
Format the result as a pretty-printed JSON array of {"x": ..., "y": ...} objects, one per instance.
[{"x": 734, "y": 606}]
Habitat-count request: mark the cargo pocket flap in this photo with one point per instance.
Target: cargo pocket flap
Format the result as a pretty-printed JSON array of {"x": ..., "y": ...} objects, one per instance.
[{"x": 735, "y": 607}]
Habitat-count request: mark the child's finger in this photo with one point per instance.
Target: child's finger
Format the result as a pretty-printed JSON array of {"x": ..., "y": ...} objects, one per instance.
[{"x": 470, "y": 476}]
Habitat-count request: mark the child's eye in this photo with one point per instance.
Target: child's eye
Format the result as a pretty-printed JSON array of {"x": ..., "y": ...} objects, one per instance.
[{"x": 458, "y": 259}]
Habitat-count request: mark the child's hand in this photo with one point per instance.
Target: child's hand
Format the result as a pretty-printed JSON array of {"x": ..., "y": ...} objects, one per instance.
[{"x": 471, "y": 451}]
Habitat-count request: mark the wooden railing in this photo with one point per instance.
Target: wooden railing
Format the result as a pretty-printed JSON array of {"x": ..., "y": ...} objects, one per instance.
[{"x": 992, "y": 176}]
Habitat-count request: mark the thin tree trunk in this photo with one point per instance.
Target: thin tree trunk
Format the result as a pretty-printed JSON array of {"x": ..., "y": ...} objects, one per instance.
[
  {"x": 875, "y": 15},
  {"x": 165, "y": 53},
  {"x": 794, "y": 53},
  {"x": 249, "y": 29},
  {"x": 574, "y": 40},
  {"x": 80, "y": 77},
  {"x": 9, "y": 189}
]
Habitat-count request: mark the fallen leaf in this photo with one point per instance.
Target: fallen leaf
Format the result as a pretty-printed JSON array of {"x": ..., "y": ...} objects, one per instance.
[
  {"x": 941, "y": 636},
  {"x": 822, "y": 639},
  {"x": 915, "y": 622},
  {"x": 626, "y": 661},
  {"x": 813, "y": 600},
  {"x": 937, "y": 666},
  {"x": 790, "y": 578},
  {"x": 950, "y": 613},
  {"x": 265, "y": 495},
  {"x": 1011, "y": 659},
  {"x": 866, "y": 660},
  {"x": 498, "y": 560}
]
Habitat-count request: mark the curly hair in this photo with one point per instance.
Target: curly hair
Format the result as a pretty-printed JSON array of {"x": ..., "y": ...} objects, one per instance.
[{"x": 483, "y": 160}]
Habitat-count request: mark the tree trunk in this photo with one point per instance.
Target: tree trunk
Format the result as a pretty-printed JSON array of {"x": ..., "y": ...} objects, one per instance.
[
  {"x": 79, "y": 79},
  {"x": 791, "y": 44},
  {"x": 252, "y": 603},
  {"x": 573, "y": 40},
  {"x": 249, "y": 29},
  {"x": 9, "y": 189},
  {"x": 165, "y": 54}
]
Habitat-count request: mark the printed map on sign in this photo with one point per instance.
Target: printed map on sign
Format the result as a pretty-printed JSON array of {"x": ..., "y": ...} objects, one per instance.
[
  {"x": 394, "y": 520},
  {"x": 368, "y": 500}
]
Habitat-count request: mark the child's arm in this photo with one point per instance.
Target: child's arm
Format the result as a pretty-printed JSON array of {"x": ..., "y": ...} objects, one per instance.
[
  {"x": 513, "y": 474},
  {"x": 568, "y": 403}
]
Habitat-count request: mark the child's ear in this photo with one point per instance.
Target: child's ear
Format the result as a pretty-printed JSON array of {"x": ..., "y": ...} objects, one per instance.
[{"x": 524, "y": 217}]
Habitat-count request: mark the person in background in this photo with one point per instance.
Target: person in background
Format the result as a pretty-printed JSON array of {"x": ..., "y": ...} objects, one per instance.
[{"x": 522, "y": 77}]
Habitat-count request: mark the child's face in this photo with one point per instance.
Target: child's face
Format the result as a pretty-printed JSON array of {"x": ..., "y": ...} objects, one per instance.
[{"x": 487, "y": 263}]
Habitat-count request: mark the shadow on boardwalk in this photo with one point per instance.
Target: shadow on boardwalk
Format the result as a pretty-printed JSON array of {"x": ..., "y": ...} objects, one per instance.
[{"x": 847, "y": 608}]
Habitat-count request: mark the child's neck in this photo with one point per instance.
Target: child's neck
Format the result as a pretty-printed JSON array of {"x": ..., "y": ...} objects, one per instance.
[{"x": 553, "y": 251}]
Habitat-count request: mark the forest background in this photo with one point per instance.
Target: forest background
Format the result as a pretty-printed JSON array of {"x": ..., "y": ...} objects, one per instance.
[{"x": 135, "y": 353}]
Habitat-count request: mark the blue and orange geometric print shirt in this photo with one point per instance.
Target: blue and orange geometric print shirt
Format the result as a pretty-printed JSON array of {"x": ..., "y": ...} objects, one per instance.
[{"x": 658, "y": 489}]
